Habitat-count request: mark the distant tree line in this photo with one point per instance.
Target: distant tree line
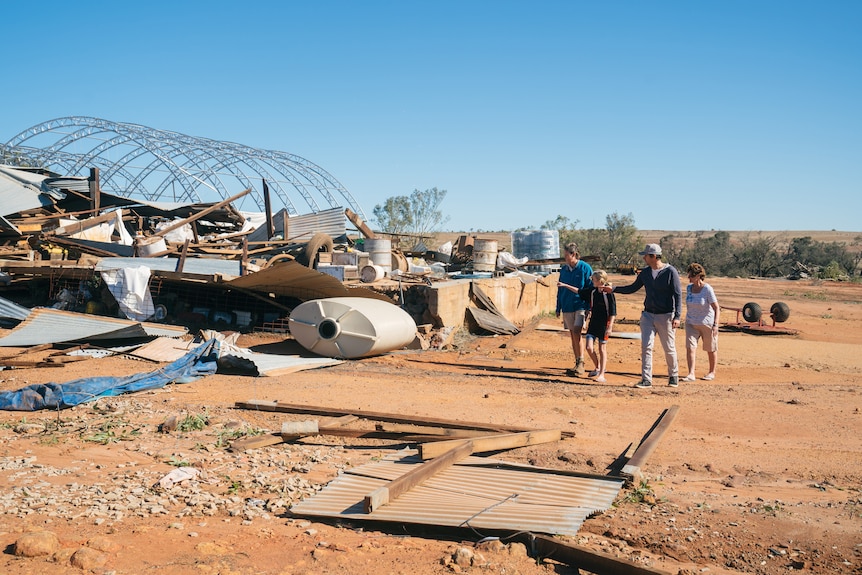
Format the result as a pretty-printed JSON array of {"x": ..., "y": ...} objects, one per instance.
[
  {"x": 754, "y": 254},
  {"x": 617, "y": 244}
]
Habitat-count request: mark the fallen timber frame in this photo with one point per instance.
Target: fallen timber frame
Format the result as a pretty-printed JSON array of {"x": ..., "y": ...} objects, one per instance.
[
  {"x": 544, "y": 547},
  {"x": 452, "y": 450},
  {"x": 279, "y": 406}
]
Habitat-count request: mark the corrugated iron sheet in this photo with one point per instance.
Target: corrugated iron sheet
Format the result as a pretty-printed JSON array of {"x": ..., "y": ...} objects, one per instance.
[
  {"x": 12, "y": 310},
  {"x": 477, "y": 492},
  {"x": 46, "y": 325},
  {"x": 201, "y": 266},
  {"x": 293, "y": 279},
  {"x": 21, "y": 190},
  {"x": 300, "y": 228}
]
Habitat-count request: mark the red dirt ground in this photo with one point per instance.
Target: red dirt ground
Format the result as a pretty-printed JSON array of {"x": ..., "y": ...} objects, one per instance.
[{"x": 760, "y": 472}]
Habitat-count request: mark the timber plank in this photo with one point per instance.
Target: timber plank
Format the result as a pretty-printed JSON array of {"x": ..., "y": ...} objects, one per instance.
[
  {"x": 492, "y": 442},
  {"x": 264, "y": 405}
]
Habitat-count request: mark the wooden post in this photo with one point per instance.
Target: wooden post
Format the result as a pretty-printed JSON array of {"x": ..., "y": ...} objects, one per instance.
[
  {"x": 270, "y": 226},
  {"x": 243, "y": 266},
  {"x": 183, "y": 255},
  {"x": 95, "y": 191}
]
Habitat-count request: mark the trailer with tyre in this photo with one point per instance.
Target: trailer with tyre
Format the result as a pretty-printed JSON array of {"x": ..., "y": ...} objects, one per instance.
[{"x": 753, "y": 316}]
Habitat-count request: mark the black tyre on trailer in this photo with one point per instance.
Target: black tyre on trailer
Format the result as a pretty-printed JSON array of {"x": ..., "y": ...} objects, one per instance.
[
  {"x": 780, "y": 311},
  {"x": 751, "y": 312}
]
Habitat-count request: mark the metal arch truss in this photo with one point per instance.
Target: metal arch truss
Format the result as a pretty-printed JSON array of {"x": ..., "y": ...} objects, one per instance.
[{"x": 158, "y": 165}]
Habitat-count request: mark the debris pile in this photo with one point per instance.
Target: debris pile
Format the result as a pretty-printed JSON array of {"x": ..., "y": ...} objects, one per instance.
[{"x": 66, "y": 245}]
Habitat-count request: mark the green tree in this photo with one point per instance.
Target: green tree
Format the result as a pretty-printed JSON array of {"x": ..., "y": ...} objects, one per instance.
[
  {"x": 758, "y": 256},
  {"x": 812, "y": 253},
  {"x": 715, "y": 253},
  {"x": 614, "y": 244},
  {"x": 419, "y": 213},
  {"x": 623, "y": 240},
  {"x": 425, "y": 211},
  {"x": 395, "y": 215}
]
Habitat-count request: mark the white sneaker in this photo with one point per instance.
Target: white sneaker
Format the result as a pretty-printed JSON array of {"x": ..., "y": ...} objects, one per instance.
[
  {"x": 689, "y": 377},
  {"x": 708, "y": 377}
]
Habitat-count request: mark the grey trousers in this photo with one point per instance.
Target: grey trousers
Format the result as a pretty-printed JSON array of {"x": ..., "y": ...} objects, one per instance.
[{"x": 660, "y": 324}]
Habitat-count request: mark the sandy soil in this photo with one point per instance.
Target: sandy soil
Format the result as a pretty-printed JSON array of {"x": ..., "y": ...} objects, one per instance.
[{"x": 760, "y": 472}]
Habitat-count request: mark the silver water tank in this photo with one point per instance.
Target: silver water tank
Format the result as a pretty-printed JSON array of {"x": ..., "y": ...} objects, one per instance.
[{"x": 537, "y": 245}]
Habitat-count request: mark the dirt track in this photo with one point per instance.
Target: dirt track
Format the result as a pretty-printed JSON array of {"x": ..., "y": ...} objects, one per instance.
[{"x": 761, "y": 471}]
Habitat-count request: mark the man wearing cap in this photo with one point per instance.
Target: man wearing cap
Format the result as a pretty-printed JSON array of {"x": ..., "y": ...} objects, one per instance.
[{"x": 662, "y": 310}]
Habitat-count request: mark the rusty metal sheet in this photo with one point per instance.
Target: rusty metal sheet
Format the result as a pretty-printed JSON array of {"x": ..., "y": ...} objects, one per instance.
[{"x": 293, "y": 279}]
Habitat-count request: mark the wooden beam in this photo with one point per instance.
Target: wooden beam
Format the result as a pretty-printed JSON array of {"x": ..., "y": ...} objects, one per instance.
[
  {"x": 183, "y": 253},
  {"x": 360, "y": 225},
  {"x": 650, "y": 441},
  {"x": 394, "y": 489},
  {"x": 85, "y": 224},
  {"x": 200, "y": 214},
  {"x": 243, "y": 266},
  {"x": 257, "y": 441},
  {"x": 583, "y": 558},
  {"x": 270, "y": 226},
  {"x": 492, "y": 442},
  {"x": 23, "y": 363},
  {"x": 263, "y": 405},
  {"x": 429, "y": 430},
  {"x": 95, "y": 190}
]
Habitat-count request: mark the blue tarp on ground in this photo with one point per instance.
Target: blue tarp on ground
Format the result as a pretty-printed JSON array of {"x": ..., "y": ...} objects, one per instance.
[{"x": 197, "y": 363}]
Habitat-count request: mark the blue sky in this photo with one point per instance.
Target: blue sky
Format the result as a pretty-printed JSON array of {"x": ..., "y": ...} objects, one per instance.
[{"x": 690, "y": 115}]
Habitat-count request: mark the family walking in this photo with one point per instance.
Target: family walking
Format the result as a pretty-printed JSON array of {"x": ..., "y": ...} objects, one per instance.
[{"x": 583, "y": 293}]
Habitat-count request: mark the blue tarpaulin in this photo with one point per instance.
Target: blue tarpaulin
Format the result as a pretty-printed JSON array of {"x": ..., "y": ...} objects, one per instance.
[{"x": 197, "y": 363}]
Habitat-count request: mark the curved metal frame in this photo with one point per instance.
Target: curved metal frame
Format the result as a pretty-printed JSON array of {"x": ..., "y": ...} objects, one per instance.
[{"x": 135, "y": 160}]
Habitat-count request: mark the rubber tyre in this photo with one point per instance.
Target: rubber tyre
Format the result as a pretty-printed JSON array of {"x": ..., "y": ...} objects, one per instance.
[
  {"x": 751, "y": 312},
  {"x": 318, "y": 243},
  {"x": 277, "y": 259},
  {"x": 780, "y": 312}
]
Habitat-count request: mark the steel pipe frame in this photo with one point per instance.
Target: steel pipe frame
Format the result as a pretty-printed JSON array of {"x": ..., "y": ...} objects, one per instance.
[{"x": 191, "y": 162}]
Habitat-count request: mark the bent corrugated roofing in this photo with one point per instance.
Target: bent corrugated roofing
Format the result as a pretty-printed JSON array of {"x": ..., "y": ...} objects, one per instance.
[
  {"x": 293, "y": 279},
  {"x": 46, "y": 325},
  {"x": 21, "y": 190}
]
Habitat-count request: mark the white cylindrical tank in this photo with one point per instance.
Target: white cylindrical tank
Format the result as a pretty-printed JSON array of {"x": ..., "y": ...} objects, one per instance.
[{"x": 351, "y": 327}]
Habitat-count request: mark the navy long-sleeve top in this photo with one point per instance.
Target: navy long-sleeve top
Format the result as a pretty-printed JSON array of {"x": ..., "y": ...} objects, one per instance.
[{"x": 663, "y": 293}]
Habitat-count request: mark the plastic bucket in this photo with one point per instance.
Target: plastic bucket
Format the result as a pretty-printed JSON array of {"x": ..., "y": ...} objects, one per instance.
[{"x": 484, "y": 255}]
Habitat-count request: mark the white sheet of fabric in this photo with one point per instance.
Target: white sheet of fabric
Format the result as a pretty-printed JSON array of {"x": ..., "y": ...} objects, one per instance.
[
  {"x": 179, "y": 235},
  {"x": 104, "y": 231},
  {"x": 507, "y": 260},
  {"x": 131, "y": 288},
  {"x": 253, "y": 220}
]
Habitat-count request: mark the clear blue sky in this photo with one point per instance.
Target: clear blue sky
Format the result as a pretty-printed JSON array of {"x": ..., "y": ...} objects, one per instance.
[{"x": 690, "y": 115}]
